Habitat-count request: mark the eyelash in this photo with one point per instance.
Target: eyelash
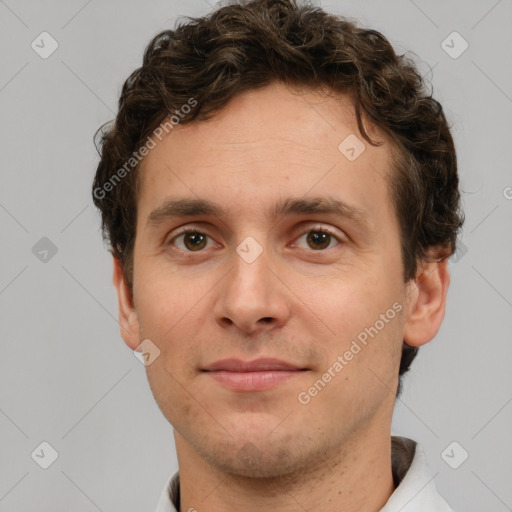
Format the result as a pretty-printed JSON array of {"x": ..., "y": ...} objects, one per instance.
[{"x": 320, "y": 229}]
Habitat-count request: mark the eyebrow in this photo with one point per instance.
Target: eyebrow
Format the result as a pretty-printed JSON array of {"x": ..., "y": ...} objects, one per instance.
[{"x": 193, "y": 207}]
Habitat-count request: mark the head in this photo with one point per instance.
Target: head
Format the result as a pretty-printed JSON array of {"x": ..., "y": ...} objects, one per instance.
[{"x": 298, "y": 251}]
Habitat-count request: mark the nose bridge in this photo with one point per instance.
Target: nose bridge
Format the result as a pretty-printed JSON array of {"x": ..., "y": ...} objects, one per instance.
[{"x": 251, "y": 297}]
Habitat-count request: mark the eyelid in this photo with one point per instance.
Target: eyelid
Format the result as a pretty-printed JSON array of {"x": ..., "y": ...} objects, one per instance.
[
  {"x": 184, "y": 230},
  {"x": 323, "y": 228}
]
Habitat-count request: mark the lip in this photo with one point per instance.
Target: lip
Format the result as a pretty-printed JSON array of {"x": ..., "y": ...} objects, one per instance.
[
  {"x": 257, "y": 375},
  {"x": 256, "y": 365}
]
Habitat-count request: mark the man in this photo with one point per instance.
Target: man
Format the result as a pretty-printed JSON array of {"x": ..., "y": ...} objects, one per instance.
[{"x": 280, "y": 196}]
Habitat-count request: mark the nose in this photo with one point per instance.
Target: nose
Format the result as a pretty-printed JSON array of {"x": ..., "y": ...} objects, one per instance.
[{"x": 252, "y": 298}]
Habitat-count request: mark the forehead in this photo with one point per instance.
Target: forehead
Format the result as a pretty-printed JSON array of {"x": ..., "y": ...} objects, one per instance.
[{"x": 266, "y": 145}]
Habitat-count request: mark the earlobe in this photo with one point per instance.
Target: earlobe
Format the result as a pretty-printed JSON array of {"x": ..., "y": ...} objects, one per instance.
[
  {"x": 426, "y": 303},
  {"x": 128, "y": 319}
]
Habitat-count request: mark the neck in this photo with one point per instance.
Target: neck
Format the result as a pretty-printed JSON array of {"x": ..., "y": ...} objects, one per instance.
[{"x": 356, "y": 476}]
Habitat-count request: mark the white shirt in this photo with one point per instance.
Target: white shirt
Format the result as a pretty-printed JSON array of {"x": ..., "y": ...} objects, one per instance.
[{"x": 415, "y": 488}]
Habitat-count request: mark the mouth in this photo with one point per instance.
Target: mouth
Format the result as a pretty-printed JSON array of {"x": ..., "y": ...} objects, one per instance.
[{"x": 250, "y": 376}]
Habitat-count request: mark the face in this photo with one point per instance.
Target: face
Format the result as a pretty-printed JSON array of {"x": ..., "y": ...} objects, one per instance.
[{"x": 279, "y": 316}]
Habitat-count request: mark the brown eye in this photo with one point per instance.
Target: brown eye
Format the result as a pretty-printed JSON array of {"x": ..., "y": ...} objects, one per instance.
[
  {"x": 318, "y": 239},
  {"x": 194, "y": 241},
  {"x": 190, "y": 241}
]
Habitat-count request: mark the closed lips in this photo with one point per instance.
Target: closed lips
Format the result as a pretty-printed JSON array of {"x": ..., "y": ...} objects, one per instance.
[{"x": 257, "y": 365}]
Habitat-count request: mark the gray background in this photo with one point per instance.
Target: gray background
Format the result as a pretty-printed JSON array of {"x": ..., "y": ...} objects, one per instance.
[{"x": 67, "y": 377}]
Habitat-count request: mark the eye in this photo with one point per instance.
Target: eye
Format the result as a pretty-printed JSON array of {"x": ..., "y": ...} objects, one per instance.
[
  {"x": 191, "y": 240},
  {"x": 320, "y": 238}
]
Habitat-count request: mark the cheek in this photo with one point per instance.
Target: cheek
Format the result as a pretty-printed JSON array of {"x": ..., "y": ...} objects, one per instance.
[
  {"x": 176, "y": 402},
  {"x": 364, "y": 316},
  {"x": 348, "y": 299},
  {"x": 163, "y": 295},
  {"x": 167, "y": 309}
]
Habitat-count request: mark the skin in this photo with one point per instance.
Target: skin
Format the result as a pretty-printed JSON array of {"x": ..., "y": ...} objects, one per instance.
[{"x": 265, "y": 450}]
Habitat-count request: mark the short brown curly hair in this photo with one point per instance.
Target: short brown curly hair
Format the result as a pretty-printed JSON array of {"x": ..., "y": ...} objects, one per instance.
[{"x": 249, "y": 44}]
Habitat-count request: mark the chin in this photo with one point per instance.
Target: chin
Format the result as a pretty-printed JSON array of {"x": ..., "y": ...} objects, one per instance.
[
  {"x": 256, "y": 458},
  {"x": 250, "y": 462}
]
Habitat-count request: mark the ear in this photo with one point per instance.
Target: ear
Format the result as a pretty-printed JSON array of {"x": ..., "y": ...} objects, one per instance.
[
  {"x": 426, "y": 302},
  {"x": 127, "y": 314}
]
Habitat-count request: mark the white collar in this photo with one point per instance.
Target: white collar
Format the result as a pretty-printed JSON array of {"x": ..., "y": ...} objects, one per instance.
[{"x": 416, "y": 491}]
